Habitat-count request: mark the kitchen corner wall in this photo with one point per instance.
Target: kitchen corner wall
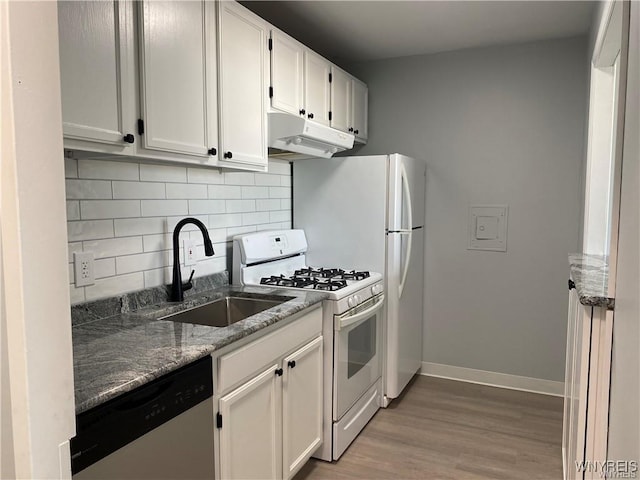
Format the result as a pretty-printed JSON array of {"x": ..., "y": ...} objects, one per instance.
[
  {"x": 124, "y": 212},
  {"x": 496, "y": 125}
]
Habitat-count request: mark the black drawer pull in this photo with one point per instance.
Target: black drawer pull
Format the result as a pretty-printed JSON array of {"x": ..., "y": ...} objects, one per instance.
[
  {"x": 129, "y": 138},
  {"x": 279, "y": 372},
  {"x": 228, "y": 155},
  {"x": 292, "y": 364},
  {"x": 212, "y": 151}
]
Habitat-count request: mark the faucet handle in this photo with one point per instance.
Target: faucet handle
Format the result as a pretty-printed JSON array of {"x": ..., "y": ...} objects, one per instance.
[{"x": 188, "y": 284}]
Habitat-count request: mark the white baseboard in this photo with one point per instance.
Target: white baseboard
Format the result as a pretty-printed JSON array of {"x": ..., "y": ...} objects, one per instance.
[{"x": 493, "y": 379}]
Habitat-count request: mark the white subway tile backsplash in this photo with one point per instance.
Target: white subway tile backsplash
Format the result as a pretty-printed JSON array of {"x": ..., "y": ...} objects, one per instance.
[
  {"x": 225, "y": 220},
  {"x": 235, "y": 206},
  {"x": 105, "y": 267},
  {"x": 205, "y": 175},
  {"x": 89, "y": 230},
  {"x": 154, "y": 243},
  {"x": 266, "y": 205},
  {"x": 138, "y": 190},
  {"x": 206, "y": 206},
  {"x": 76, "y": 295},
  {"x": 84, "y": 189},
  {"x": 280, "y": 192},
  {"x": 96, "y": 209},
  {"x": 255, "y": 218},
  {"x": 162, "y": 173},
  {"x": 280, "y": 167},
  {"x": 113, "y": 247},
  {"x": 255, "y": 192},
  {"x": 143, "y": 261},
  {"x": 279, "y": 216},
  {"x": 157, "y": 208},
  {"x": 267, "y": 179},
  {"x": 70, "y": 168},
  {"x": 107, "y": 170},
  {"x": 232, "y": 232},
  {"x": 225, "y": 191},
  {"x": 125, "y": 213},
  {"x": 73, "y": 210},
  {"x": 239, "y": 178},
  {"x": 171, "y": 223},
  {"x": 186, "y": 190},
  {"x": 139, "y": 226},
  {"x": 107, "y": 287}
]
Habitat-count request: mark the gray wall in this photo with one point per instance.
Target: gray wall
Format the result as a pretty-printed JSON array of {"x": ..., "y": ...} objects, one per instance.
[
  {"x": 498, "y": 125},
  {"x": 624, "y": 408}
]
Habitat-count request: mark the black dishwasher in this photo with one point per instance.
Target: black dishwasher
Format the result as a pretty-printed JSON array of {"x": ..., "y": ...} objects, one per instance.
[{"x": 163, "y": 429}]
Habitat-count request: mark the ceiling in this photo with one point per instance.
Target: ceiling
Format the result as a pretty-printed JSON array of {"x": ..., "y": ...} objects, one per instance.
[{"x": 354, "y": 31}]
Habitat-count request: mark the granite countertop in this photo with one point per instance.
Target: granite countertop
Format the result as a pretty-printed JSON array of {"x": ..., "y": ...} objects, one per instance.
[
  {"x": 119, "y": 343},
  {"x": 590, "y": 273}
]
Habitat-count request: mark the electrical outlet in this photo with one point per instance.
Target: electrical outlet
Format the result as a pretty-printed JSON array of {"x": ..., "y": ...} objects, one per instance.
[
  {"x": 84, "y": 268},
  {"x": 190, "y": 257}
]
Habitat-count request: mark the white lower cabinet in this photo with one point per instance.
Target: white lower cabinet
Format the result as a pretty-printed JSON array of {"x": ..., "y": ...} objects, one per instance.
[
  {"x": 269, "y": 402},
  {"x": 301, "y": 406},
  {"x": 249, "y": 436}
]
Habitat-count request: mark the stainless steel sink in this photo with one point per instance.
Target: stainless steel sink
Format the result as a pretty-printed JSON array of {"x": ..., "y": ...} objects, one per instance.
[{"x": 225, "y": 311}]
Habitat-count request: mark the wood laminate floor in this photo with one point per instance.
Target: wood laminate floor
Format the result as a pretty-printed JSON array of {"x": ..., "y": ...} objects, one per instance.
[{"x": 443, "y": 429}]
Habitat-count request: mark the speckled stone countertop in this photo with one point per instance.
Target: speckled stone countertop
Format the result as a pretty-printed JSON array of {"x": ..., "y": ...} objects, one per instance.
[
  {"x": 119, "y": 343},
  {"x": 590, "y": 273}
]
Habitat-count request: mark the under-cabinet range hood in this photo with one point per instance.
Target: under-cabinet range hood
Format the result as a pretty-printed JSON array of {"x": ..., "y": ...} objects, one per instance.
[{"x": 297, "y": 134}]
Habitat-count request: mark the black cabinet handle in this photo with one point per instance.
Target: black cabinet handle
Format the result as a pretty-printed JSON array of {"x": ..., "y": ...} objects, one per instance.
[
  {"x": 292, "y": 364},
  {"x": 279, "y": 372},
  {"x": 356, "y": 131},
  {"x": 228, "y": 155},
  {"x": 572, "y": 285},
  {"x": 351, "y": 129},
  {"x": 129, "y": 138},
  {"x": 302, "y": 111},
  {"x": 310, "y": 115},
  {"x": 212, "y": 151}
]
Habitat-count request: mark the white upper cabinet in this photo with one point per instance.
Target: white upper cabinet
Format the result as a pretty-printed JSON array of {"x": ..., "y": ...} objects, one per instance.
[
  {"x": 96, "y": 73},
  {"x": 359, "y": 110},
  {"x": 243, "y": 87},
  {"x": 177, "y": 76},
  {"x": 316, "y": 87},
  {"x": 287, "y": 67},
  {"x": 340, "y": 99}
]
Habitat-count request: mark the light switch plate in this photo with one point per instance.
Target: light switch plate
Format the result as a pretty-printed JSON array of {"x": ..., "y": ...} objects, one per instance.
[{"x": 488, "y": 227}]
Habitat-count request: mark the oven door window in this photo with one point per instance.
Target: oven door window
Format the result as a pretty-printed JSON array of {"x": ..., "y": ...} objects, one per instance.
[{"x": 361, "y": 346}]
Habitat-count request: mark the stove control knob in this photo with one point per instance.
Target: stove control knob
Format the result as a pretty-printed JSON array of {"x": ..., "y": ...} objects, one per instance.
[
  {"x": 376, "y": 289},
  {"x": 352, "y": 302},
  {"x": 357, "y": 299}
]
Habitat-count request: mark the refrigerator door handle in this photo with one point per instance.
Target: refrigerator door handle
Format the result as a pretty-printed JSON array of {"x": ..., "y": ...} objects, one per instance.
[{"x": 407, "y": 193}]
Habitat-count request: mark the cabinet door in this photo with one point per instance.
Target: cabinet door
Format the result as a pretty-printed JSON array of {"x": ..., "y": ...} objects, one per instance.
[
  {"x": 250, "y": 437},
  {"x": 243, "y": 87},
  {"x": 287, "y": 67},
  {"x": 340, "y": 100},
  {"x": 359, "y": 110},
  {"x": 302, "y": 406},
  {"x": 316, "y": 87},
  {"x": 96, "y": 72},
  {"x": 176, "y": 89}
]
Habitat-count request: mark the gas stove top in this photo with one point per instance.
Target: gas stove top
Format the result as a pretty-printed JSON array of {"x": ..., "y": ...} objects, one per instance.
[{"x": 328, "y": 279}]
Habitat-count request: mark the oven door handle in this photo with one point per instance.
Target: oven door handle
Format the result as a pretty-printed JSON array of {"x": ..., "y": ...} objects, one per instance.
[{"x": 360, "y": 316}]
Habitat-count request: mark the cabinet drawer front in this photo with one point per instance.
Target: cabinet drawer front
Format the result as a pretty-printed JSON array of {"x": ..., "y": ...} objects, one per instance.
[{"x": 240, "y": 364}]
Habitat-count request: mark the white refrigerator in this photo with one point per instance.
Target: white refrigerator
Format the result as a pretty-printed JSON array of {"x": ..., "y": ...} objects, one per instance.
[{"x": 367, "y": 212}]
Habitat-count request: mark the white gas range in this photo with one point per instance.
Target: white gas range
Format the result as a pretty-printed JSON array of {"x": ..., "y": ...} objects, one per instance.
[{"x": 352, "y": 326}]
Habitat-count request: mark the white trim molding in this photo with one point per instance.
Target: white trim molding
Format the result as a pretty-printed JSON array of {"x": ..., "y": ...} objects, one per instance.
[{"x": 493, "y": 379}]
